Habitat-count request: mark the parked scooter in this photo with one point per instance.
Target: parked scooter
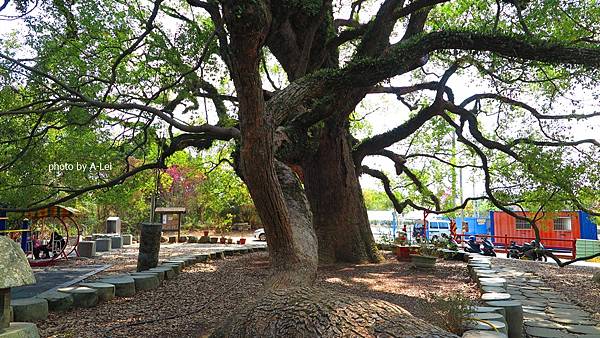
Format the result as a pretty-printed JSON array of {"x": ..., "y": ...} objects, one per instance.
[
  {"x": 532, "y": 251},
  {"x": 488, "y": 248},
  {"x": 472, "y": 245}
]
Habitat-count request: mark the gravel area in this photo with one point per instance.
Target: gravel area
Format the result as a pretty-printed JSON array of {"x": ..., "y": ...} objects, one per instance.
[
  {"x": 573, "y": 281},
  {"x": 199, "y": 299}
]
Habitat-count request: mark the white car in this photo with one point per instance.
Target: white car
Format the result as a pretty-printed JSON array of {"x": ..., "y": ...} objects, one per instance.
[{"x": 260, "y": 234}]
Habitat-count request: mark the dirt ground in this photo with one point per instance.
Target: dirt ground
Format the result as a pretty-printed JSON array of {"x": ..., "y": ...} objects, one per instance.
[{"x": 198, "y": 300}]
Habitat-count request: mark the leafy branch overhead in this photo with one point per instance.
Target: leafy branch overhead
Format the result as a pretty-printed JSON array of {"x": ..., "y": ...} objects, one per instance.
[{"x": 134, "y": 83}]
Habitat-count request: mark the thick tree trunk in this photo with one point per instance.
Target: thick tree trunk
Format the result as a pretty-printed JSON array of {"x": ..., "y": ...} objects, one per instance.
[
  {"x": 336, "y": 200},
  {"x": 275, "y": 191}
]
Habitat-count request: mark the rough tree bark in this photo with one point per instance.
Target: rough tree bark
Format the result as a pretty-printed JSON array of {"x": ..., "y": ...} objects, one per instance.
[{"x": 335, "y": 195}]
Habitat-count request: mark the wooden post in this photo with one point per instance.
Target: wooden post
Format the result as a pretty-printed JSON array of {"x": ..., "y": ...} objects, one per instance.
[
  {"x": 574, "y": 248},
  {"x": 178, "y": 227},
  {"x": 506, "y": 245}
]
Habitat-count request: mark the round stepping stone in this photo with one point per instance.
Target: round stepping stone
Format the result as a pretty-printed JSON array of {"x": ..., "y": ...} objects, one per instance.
[
  {"x": 105, "y": 291},
  {"x": 167, "y": 271},
  {"x": 496, "y": 280},
  {"x": 487, "y": 316},
  {"x": 82, "y": 296},
  {"x": 544, "y": 332},
  {"x": 217, "y": 255},
  {"x": 563, "y": 306},
  {"x": 517, "y": 297},
  {"x": 159, "y": 275},
  {"x": 176, "y": 267},
  {"x": 124, "y": 286},
  {"x": 57, "y": 301},
  {"x": 483, "y": 334},
  {"x": 495, "y": 296},
  {"x": 488, "y": 309},
  {"x": 543, "y": 323},
  {"x": 489, "y": 325},
  {"x": 29, "y": 309},
  {"x": 493, "y": 289},
  {"x": 145, "y": 281},
  {"x": 583, "y": 329}
]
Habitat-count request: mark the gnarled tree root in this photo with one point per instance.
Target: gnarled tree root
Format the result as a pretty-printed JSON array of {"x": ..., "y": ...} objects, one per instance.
[{"x": 315, "y": 312}]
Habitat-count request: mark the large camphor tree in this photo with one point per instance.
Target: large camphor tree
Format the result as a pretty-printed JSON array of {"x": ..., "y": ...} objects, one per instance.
[{"x": 95, "y": 81}]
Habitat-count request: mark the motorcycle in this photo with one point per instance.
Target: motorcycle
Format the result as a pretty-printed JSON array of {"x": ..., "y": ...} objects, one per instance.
[
  {"x": 488, "y": 248},
  {"x": 529, "y": 251}
]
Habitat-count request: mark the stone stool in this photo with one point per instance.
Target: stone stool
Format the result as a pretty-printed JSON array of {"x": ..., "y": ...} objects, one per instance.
[
  {"x": 116, "y": 242},
  {"x": 82, "y": 296},
  {"x": 105, "y": 291},
  {"x": 103, "y": 244},
  {"x": 167, "y": 271},
  {"x": 58, "y": 301},
  {"x": 514, "y": 316},
  {"x": 124, "y": 285},
  {"x": 29, "y": 309},
  {"x": 127, "y": 239},
  {"x": 145, "y": 281},
  {"x": 86, "y": 249}
]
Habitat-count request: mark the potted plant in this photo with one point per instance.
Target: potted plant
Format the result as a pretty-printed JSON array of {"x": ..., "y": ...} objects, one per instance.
[
  {"x": 242, "y": 241},
  {"x": 222, "y": 240},
  {"x": 426, "y": 257},
  {"x": 214, "y": 240},
  {"x": 229, "y": 240},
  {"x": 206, "y": 233}
]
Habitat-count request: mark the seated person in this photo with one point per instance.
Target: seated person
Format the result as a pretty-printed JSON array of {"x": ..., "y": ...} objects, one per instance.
[
  {"x": 58, "y": 243},
  {"x": 38, "y": 247}
]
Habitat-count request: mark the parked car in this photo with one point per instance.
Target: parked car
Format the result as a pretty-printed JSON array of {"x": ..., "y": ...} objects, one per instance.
[{"x": 260, "y": 234}]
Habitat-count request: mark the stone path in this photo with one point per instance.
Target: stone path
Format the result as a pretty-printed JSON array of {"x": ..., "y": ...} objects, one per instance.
[
  {"x": 52, "y": 278},
  {"x": 545, "y": 312}
]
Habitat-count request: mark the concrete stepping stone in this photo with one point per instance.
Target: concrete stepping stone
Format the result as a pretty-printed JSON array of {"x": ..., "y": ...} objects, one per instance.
[
  {"x": 159, "y": 275},
  {"x": 105, "y": 291},
  {"x": 179, "y": 262},
  {"x": 493, "y": 289},
  {"x": 217, "y": 255},
  {"x": 487, "y": 316},
  {"x": 145, "y": 281},
  {"x": 82, "y": 296},
  {"x": 202, "y": 257},
  {"x": 57, "y": 301},
  {"x": 535, "y": 316},
  {"x": 176, "y": 267},
  {"x": 20, "y": 330},
  {"x": 543, "y": 323},
  {"x": 572, "y": 321},
  {"x": 517, "y": 297},
  {"x": 544, "y": 332},
  {"x": 495, "y": 296},
  {"x": 513, "y": 314},
  {"x": 488, "y": 309},
  {"x": 495, "y": 280},
  {"x": 490, "y": 325},
  {"x": 583, "y": 329},
  {"x": 29, "y": 309},
  {"x": 563, "y": 306},
  {"x": 167, "y": 271},
  {"x": 483, "y": 334},
  {"x": 124, "y": 286},
  {"x": 568, "y": 312}
]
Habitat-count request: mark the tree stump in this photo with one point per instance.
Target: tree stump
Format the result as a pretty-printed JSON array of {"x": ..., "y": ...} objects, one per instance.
[
  {"x": 313, "y": 312},
  {"x": 149, "y": 246}
]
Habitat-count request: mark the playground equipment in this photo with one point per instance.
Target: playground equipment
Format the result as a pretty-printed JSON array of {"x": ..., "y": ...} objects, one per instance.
[{"x": 62, "y": 241}]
